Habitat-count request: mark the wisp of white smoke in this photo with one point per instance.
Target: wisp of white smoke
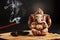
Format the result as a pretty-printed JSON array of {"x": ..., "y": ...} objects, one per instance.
[{"x": 15, "y": 5}]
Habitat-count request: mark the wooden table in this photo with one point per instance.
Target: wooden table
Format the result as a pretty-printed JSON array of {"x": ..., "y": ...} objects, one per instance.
[{"x": 49, "y": 36}]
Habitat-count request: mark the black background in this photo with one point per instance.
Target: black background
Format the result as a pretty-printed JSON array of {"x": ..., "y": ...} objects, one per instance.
[{"x": 49, "y": 6}]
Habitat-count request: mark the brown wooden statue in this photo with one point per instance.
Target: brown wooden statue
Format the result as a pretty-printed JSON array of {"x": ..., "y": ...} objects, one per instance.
[{"x": 39, "y": 22}]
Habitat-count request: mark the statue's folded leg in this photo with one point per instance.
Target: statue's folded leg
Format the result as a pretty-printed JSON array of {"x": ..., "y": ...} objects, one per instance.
[
  {"x": 44, "y": 31},
  {"x": 36, "y": 32}
]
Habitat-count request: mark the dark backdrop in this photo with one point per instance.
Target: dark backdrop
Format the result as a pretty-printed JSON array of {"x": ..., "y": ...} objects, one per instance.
[{"x": 48, "y": 6}]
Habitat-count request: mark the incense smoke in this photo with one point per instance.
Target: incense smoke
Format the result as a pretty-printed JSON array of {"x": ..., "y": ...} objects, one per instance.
[{"x": 14, "y": 6}]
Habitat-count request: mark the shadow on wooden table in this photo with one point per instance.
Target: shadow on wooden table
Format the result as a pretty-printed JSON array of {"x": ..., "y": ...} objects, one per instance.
[{"x": 3, "y": 39}]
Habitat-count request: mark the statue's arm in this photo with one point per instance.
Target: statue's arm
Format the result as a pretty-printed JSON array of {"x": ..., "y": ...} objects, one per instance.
[{"x": 48, "y": 18}]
